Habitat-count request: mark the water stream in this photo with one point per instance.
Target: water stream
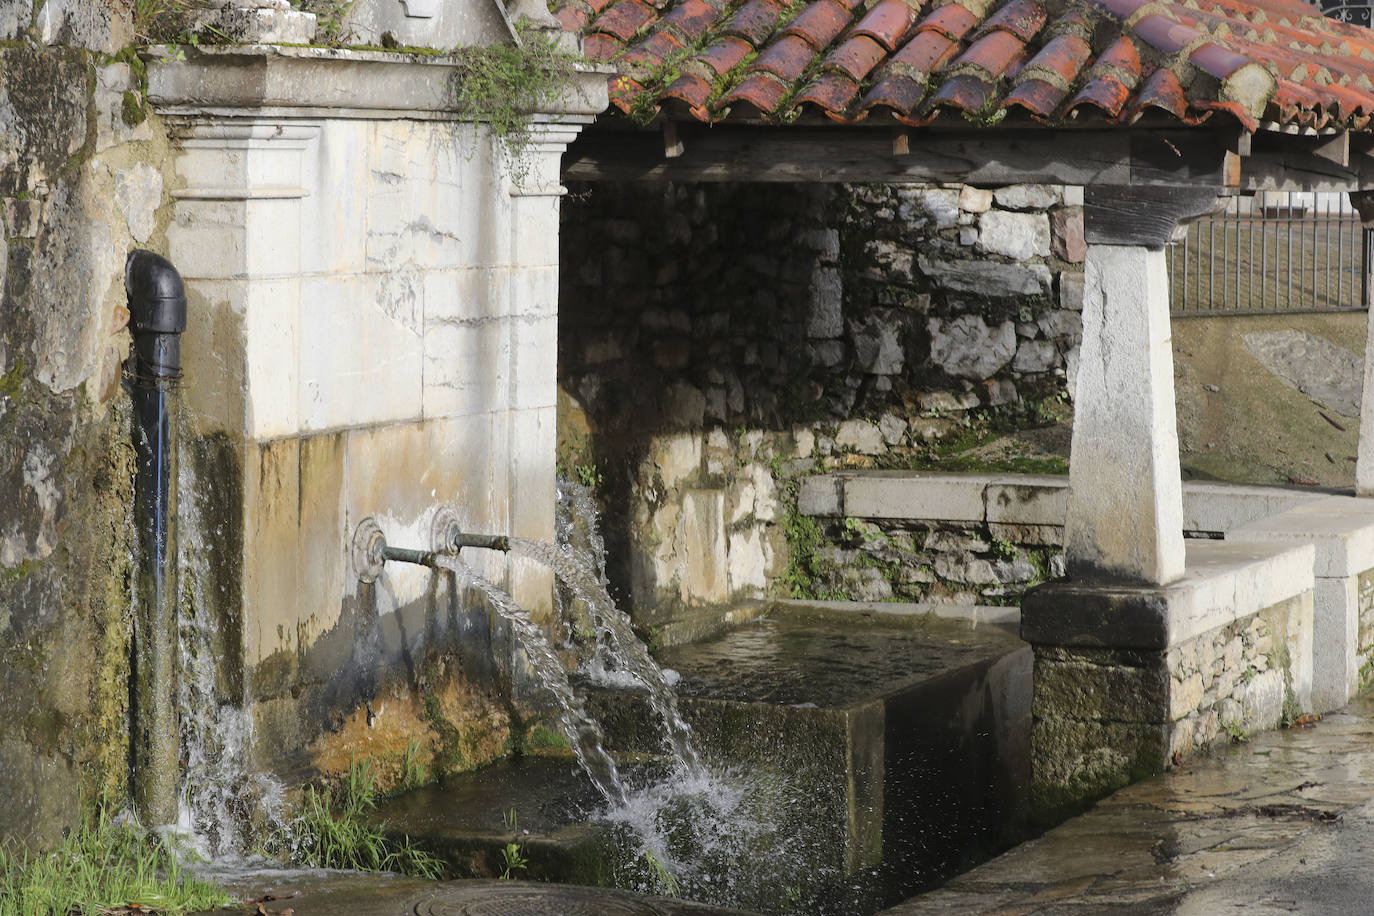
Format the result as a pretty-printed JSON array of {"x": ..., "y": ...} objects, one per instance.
[{"x": 583, "y": 733}]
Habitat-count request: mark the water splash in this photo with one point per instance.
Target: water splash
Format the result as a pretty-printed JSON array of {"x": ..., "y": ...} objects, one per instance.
[
  {"x": 583, "y": 733},
  {"x": 226, "y": 807},
  {"x": 619, "y": 648}
]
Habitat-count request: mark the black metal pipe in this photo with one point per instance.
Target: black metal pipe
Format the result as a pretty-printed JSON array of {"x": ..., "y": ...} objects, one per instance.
[{"x": 157, "y": 317}]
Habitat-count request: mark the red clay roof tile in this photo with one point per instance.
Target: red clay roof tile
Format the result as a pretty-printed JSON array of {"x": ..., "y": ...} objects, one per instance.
[
  {"x": 1243, "y": 59},
  {"x": 900, "y": 93},
  {"x": 693, "y": 18},
  {"x": 924, "y": 53},
  {"x": 856, "y": 57},
  {"x": 820, "y": 22},
  {"x": 992, "y": 54},
  {"x": 831, "y": 92},
  {"x": 754, "y": 21},
  {"x": 968, "y": 93},
  {"x": 950, "y": 20},
  {"x": 786, "y": 58},
  {"x": 600, "y": 46},
  {"x": 625, "y": 19},
  {"x": 1162, "y": 90},
  {"x": 887, "y": 23},
  {"x": 726, "y": 54},
  {"x": 762, "y": 90},
  {"x": 1036, "y": 96},
  {"x": 1022, "y": 18}
]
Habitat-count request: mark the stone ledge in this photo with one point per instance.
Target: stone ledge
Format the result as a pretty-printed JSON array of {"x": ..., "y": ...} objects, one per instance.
[
  {"x": 1224, "y": 581},
  {"x": 332, "y": 82},
  {"x": 1340, "y": 527},
  {"x": 1030, "y": 499}
]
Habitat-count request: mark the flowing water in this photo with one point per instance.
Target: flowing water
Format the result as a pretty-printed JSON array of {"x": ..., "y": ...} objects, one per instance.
[
  {"x": 226, "y": 807},
  {"x": 583, "y": 733}
]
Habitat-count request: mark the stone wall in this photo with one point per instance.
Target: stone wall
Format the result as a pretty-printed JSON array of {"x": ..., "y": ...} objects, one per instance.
[
  {"x": 81, "y": 183},
  {"x": 719, "y": 342},
  {"x": 1105, "y": 717}
]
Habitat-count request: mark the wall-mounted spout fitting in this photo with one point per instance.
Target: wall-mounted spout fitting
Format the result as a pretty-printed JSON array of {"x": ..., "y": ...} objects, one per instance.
[
  {"x": 371, "y": 551},
  {"x": 448, "y": 536},
  {"x": 157, "y": 317}
]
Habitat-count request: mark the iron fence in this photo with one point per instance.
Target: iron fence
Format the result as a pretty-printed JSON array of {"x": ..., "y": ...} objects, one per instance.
[{"x": 1274, "y": 252}]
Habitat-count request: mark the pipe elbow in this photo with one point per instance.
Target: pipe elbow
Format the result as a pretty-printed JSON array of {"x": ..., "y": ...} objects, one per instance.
[{"x": 157, "y": 313}]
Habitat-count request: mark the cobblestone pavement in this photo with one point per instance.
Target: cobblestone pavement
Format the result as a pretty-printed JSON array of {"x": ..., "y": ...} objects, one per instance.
[{"x": 1282, "y": 823}]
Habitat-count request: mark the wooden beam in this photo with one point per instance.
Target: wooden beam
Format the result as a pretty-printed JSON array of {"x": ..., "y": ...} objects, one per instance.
[
  {"x": 988, "y": 157},
  {"x": 1142, "y": 216}
]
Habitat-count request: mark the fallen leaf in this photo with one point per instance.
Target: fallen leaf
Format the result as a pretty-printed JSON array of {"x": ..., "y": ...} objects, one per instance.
[
  {"x": 1331, "y": 421},
  {"x": 1306, "y": 720},
  {"x": 1178, "y": 758},
  {"x": 1302, "y": 481}
]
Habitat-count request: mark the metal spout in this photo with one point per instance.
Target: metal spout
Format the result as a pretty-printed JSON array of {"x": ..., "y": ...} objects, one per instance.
[{"x": 371, "y": 552}]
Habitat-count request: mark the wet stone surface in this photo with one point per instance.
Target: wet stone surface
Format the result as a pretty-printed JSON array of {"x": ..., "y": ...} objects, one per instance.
[
  {"x": 1282, "y": 823},
  {"x": 800, "y": 660}
]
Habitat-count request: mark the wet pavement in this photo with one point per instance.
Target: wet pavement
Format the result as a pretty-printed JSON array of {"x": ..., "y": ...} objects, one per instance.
[{"x": 1282, "y": 823}]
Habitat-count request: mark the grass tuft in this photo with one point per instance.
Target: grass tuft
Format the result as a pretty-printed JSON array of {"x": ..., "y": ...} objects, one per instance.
[
  {"x": 335, "y": 830},
  {"x": 101, "y": 867}
]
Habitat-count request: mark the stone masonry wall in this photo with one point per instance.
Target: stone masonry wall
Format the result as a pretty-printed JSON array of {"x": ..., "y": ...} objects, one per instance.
[
  {"x": 1365, "y": 639},
  {"x": 81, "y": 183},
  {"x": 716, "y": 342},
  {"x": 1105, "y": 717}
]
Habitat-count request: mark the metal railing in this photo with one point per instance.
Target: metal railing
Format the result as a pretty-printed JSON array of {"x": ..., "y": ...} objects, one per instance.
[{"x": 1274, "y": 252}]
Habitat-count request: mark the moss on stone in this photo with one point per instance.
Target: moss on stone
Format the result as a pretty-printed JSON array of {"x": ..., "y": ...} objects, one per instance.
[{"x": 11, "y": 381}]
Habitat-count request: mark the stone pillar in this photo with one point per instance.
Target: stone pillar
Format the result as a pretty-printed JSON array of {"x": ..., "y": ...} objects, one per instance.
[
  {"x": 1125, "y": 517},
  {"x": 1363, "y": 201},
  {"x": 1145, "y": 654}
]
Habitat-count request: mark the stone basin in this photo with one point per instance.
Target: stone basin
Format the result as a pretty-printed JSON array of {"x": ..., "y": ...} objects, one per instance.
[{"x": 895, "y": 744}]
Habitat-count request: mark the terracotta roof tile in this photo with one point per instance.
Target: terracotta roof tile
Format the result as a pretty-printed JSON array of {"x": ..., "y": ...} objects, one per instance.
[
  {"x": 787, "y": 58},
  {"x": 1247, "y": 60},
  {"x": 726, "y": 54},
  {"x": 762, "y": 90},
  {"x": 820, "y": 22},
  {"x": 856, "y": 57},
  {"x": 754, "y": 21},
  {"x": 887, "y": 23},
  {"x": 692, "y": 18},
  {"x": 1022, "y": 18},
  {"x": 832, "y": 92},
  {"x": 625, "y": 19}
]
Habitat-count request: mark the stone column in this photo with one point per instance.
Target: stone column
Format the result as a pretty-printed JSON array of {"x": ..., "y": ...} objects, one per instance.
[
  {"x": 1363, "y": 202},
  {"x": 1125, "y": 516}
]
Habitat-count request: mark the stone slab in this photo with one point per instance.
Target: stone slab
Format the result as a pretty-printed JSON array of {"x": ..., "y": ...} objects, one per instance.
[
  {"x": 1223, "y": 581},
  {"x": 915, "y": 495},
  {"x": 1340, "y": 527}
]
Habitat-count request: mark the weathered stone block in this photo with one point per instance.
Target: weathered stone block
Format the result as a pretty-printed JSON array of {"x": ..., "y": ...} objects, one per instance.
[
  {"x": 966, "y": 347},
  {"x": 1014, "y": 235}
]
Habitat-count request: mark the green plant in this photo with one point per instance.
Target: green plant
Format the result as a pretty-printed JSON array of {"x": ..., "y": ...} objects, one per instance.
[
  {"x": 541, "y": 738},
  {"x": 503, "y": 85},
  {"x": 588, "y": 476},
  {"x": 1003, "y": 550},
  {"x": 661, "y": 881},
  {"x": 334, "y": 830},
  {"x": 101, "y": 866},
  {"x": 513, "y": 853},
  {"x": 414, "y": 773},
  {"x": 159, "y": 20},
  {"x": 329, "y": 19},
  {"x": 1235, "y": 732}
]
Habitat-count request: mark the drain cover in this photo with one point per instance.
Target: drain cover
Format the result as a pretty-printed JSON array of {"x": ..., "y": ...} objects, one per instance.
[{"x": 503, "y": 898}]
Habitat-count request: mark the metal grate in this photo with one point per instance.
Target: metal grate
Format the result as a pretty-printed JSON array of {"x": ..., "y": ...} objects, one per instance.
[{"x": 1274, "y": 252}]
